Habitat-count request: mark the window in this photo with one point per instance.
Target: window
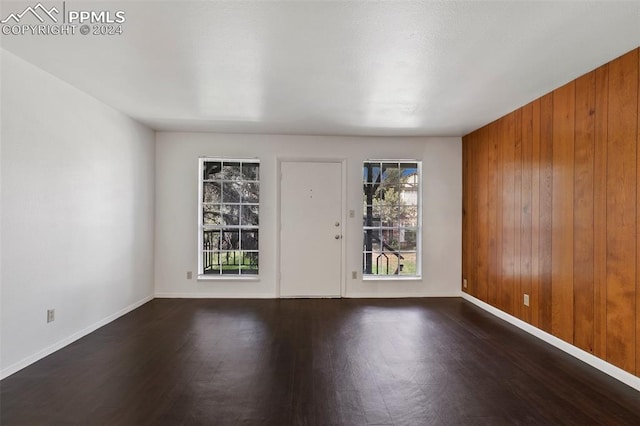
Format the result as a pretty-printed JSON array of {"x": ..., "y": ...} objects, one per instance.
[
  {"x": 229, "y": 205},
  {"x": 391, "y": 219}
]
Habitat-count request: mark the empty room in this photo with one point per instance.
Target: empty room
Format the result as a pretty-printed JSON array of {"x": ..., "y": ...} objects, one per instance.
[{"x": 319, "y": 212}]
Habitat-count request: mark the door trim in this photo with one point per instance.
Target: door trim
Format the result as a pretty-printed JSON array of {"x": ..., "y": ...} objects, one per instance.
[{"x": 343, "y": 215}]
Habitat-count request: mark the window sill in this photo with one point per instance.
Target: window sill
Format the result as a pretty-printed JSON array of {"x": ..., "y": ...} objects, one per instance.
[
  {"x": 228, "y": 278},
  {"x": 390, "y": 278}
]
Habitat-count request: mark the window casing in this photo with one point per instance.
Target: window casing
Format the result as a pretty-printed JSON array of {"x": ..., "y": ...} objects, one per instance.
[
  {"x": 228, "y": 222},
  {"x": 392, "y": 219}
]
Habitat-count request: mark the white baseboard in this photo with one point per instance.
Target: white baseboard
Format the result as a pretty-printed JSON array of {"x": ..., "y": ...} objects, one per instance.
[
  {"x": 375, "y": 295},
  {"x": 607, "y": 368},
  {"x": 14, "y": 368},
  {"x": 215, "y": 296},
  {"x": 273, "y": 296}
]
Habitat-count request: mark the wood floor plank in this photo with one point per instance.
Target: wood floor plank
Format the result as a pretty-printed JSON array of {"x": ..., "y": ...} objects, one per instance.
[{"x": 314, "y": 362}]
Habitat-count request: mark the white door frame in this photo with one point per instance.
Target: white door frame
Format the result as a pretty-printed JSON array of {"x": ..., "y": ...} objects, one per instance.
[{"x": 343, "y": 214}]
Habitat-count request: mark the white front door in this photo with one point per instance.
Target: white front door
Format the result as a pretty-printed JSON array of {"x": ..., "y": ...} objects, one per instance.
[{"x": 310, "y": 229}]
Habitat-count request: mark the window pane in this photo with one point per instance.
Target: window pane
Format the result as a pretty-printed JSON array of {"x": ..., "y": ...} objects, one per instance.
[
  {"x": 230, "y": 262},
  {"x": 250, "y": 171},
  {"x": 231, "y": 192},
  {"x": 390, "y": 239},
  {"x": 230, "y": 214},
  {"x": 211, "y": 240},
  {"x": 409, "y": 167},
  {"x": 250, "y": 216},
  {"x": 369, "y": 190},
  {"x": 231, "y": 171},
  {"x": 372, "y": 240},
  {"x": 230, "y": 239},
  {"x": 249, "y": 263},
  {"x": 250, "y": 240},
  {"x": 211, "y": 215},
  {"x": 386, "y": 263},
  {"x": 375, "y": 172},
  {"x": 390, "y": 174},
  {"x": 408, "y": 216},
  {"x": 408, "y": 195},
  {"x": 251, "y": 193},
  {"x": 368, "y": 217},
  {"x": 408, "y": 263},
  {"x": 211, "y": 192},
  {"x": 387, "y": 215},
  {"x": 209, "y": 262},
  {"x": 407, "y": 239},
  {"x": 211, "y": 170}
]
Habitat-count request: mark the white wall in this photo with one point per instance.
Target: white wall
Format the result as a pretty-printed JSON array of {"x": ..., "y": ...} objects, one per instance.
[
  {"x": 77, "y": 213},
  {"x": 176, "y": 209}
]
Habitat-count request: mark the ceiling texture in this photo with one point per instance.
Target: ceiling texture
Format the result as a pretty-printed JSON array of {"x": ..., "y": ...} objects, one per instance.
[{"x": 402, "y": 68}]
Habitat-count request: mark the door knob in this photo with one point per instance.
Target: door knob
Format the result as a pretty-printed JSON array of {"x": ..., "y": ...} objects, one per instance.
[
  {"x": 337, "y": 237},
  {"x": 337, "y": 224}
]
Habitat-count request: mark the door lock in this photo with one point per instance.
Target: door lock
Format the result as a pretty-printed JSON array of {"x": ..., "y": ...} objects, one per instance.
[{"x": 337, "y": 224}]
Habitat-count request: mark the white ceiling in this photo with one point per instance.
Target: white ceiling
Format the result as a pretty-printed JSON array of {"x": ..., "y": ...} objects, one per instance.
[{"x": 333, "y": 68}]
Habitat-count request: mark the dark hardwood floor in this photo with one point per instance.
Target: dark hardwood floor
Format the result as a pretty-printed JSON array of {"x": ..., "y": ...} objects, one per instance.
[{"x": 313, "y": 362}]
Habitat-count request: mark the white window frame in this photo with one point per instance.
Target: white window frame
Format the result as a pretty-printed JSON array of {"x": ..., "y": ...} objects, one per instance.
[
  {"x": 418, "y": 273},
  {"x": 201, "y": 226}
]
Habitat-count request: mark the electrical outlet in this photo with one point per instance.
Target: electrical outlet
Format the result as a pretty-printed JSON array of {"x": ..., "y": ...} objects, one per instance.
[
  {"x": 526, "y": 300},
  {"x": 189, "y": 275},
  {"x": 51, "y": 315},
  {"x": 354, "y": 275},
  {"x": 464, "y": 283}
]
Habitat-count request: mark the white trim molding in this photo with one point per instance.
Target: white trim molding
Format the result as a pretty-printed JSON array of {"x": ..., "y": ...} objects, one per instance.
[
  {"x": 399, "y": 295},
  {"x": 14, "y": 368},
  {"x": 164, "y": 295},
  {"x": 607, "y": 368}
]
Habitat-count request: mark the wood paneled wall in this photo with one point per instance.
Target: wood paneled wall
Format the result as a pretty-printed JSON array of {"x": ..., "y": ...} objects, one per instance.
[{"x": 551, "y": 207}]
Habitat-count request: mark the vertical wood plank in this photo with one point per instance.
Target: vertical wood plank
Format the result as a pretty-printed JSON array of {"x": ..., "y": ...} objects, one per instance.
[
  {"x": 473, "y": 217},
  {"x": 600, "y": 212},
  {"x": 638, "y": 233},
  {"x": 546, "y": 205},
  {"x": 482, "y": 186},
  {"x": 517, "y": 214},
  {"x": 499, "y": 210},
  {"x": 493, "y": 155},
  {"x": 535, "y": 214},
  {"x": 508, "y": 213},
  {"x": 583, "y": 212},
  {"x": 621, "y": 211},
  {"x": 526, "y": 211},
  {"x": 465, "y": 209},
  {"x": 562, "y": 214}
]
